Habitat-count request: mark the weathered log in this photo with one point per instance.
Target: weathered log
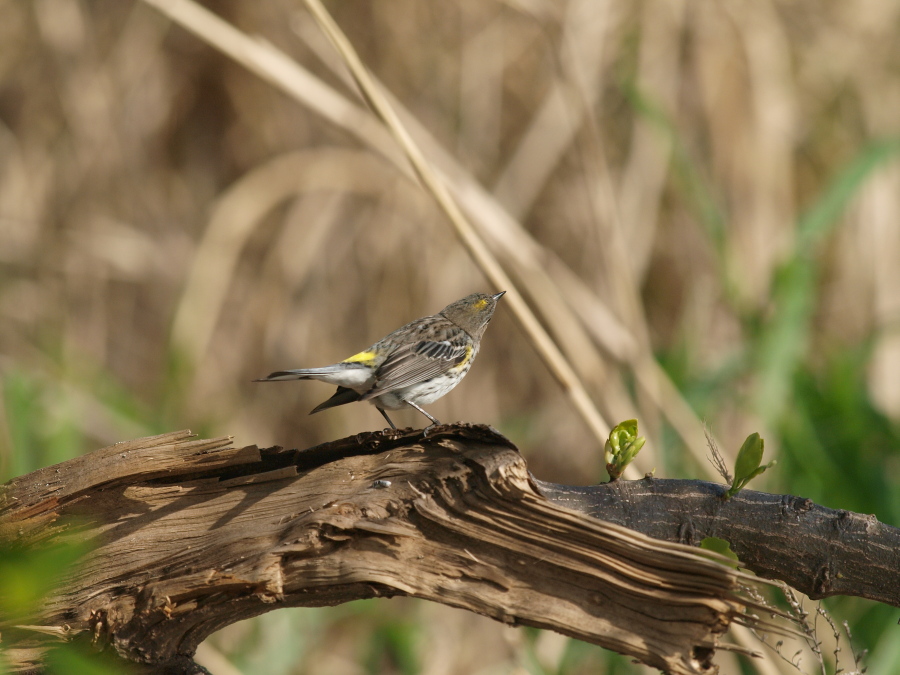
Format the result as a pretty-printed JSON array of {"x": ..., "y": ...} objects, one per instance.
[
  {"x": 819, "y": 551},
  {"x": 191, "y": 535}
]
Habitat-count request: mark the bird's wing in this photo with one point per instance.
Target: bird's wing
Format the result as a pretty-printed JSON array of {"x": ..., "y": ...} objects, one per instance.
[{"x": 419, "y": 362}]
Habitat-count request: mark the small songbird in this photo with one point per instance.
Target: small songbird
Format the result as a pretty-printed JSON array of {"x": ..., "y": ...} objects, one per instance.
[{"x": 413, "y": 366}]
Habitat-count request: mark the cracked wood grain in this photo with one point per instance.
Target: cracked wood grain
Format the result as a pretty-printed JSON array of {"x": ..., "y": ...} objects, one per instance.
[{"x": 189, "y": 536}]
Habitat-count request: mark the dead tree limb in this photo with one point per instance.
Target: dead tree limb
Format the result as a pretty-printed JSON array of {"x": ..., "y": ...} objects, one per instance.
[
  {"x": 819, "y": 551},
  {"x": 191, "y": 535}
]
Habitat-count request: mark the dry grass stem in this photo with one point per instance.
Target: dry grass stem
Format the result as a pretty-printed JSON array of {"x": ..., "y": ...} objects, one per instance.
[
  {"x": 542, "y": 342},
  {"x": 554, "y": 297}
]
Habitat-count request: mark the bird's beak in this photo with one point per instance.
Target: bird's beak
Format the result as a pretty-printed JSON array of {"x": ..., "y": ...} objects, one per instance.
[{"x": 498, "y": 295}]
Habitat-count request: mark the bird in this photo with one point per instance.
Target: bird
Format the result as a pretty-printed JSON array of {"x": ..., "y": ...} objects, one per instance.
[{"x": 413, "y": 366}]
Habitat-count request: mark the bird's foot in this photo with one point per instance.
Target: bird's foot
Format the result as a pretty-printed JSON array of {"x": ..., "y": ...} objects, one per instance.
[
  {"x": 434, "y": 423},
  {"x": 391, "y": 432}
]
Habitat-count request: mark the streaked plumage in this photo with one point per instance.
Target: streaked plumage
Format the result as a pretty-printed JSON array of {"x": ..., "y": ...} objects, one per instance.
[{"x": 413, "y": 366}]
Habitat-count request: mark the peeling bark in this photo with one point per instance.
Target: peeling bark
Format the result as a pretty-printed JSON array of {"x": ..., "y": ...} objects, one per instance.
[{"x": 189, "y": 536}]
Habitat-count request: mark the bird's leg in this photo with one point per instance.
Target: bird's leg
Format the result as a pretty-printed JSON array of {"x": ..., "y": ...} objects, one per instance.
[
  {"x": 387, "y": 418},
  {"x": 434, "y": 422}
]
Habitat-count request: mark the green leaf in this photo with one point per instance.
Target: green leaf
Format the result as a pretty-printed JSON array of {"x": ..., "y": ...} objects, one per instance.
[
  {"x": 720, "y": 546},
  {"x": 78, "y": 659},
  {"x": 28, "y": 575},
  {"x": 818, "y": 221},
  {"x": 785, "y": 337},
  {"x": 622, "y": 447},
  {"x": 748, "y": 464},
  {"x": 749, "y": 456}
]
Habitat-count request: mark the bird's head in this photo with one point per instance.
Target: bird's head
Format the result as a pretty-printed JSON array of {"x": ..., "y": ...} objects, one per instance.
[{"x": 473, "y": 312}]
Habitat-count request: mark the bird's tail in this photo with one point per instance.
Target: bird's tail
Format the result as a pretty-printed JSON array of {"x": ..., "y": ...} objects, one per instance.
[
  {"x": 341, "y": 396},
  {"x": 302, "y": 374}
]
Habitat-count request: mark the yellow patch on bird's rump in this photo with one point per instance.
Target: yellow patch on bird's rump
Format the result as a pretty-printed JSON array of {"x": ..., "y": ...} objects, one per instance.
[{"x": 362, "y": 357}]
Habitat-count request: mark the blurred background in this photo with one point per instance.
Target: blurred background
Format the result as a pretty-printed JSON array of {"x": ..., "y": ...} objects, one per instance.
[{"x": 704, "y": 202}]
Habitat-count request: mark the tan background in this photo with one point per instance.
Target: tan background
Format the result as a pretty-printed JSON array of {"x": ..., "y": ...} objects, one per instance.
[{"x": 722, "y": 177}]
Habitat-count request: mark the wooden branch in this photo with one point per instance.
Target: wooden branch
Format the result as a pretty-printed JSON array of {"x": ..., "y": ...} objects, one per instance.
[
  {"x": 817, "y": 550},
  {"x": 192, "y": 535}
]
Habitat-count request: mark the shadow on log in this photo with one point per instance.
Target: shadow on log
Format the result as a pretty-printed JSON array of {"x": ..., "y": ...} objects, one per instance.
[{"x": 190, "y": 535}]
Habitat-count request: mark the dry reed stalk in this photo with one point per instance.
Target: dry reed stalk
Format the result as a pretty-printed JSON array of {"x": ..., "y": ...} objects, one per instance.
[
  {"x": 529, "y": 260},
  {"x": 543, "y": 343}
]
